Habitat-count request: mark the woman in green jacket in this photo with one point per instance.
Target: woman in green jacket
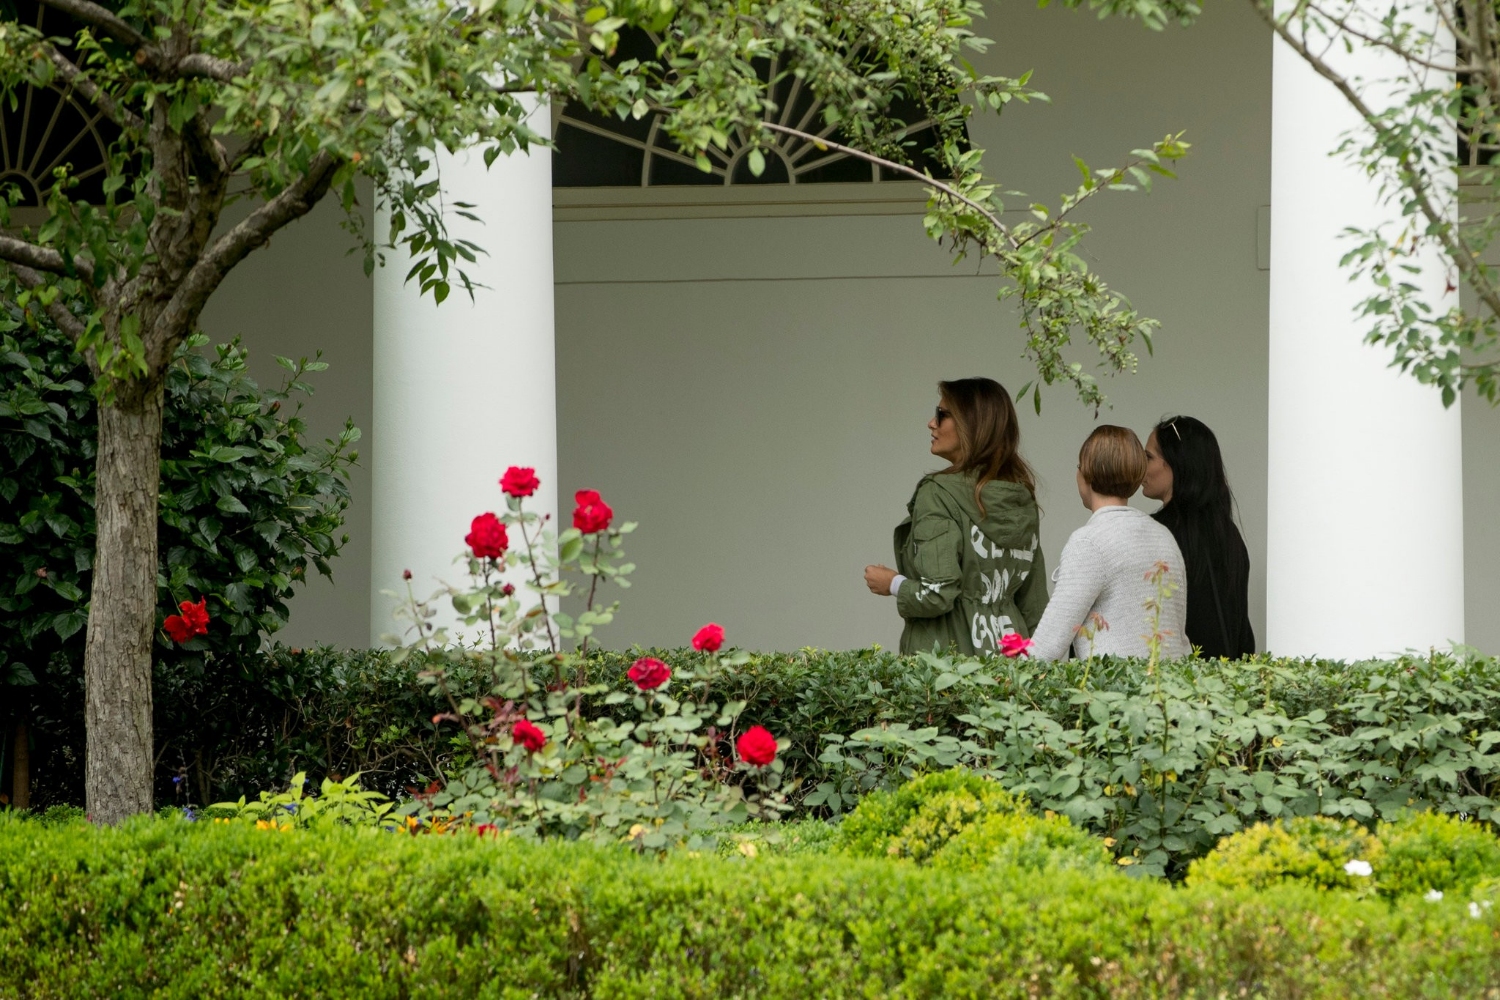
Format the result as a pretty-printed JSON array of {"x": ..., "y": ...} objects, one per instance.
[{"x": 969, "y": 567}]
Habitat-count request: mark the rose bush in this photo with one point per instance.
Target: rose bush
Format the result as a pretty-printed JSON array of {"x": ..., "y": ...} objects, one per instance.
[{"x": 551, "y": 752}]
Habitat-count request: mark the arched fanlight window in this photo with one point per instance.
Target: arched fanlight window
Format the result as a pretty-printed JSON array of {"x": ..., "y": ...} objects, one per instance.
[
  {"x": 49, "y": 128},
  {"x": 599, "y": 151}
]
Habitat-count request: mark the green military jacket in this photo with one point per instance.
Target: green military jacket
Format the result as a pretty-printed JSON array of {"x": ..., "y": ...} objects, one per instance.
[{"x": 971, "y": 577}]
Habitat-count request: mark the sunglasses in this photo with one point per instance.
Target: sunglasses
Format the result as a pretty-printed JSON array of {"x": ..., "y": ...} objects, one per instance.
[{"x": 941, "y": 414}]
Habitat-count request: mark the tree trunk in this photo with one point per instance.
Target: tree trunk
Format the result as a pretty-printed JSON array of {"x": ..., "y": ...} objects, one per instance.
[
  {"x": 118, "y": 772},
  {"x": 20, "y": 771}
]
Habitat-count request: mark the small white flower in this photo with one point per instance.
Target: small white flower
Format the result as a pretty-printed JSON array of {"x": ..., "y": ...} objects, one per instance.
[
  {"x": 1474, "y": 910},
  {"x": 1360, "y": 868},
  {"x": 1433, "y": 895}
]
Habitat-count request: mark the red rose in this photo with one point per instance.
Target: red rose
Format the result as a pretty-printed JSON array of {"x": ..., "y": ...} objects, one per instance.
[
  {"x": 709, "y": 638},
  {"x": 649, "y": 674},
  {"x": 486, "y": 537},
  {"x": 519, "y": 481},
  {"x": 756, "y": 746},
  {"x": 592, "y": 515},
  {"x": 528, "y": 735},
  {"x": 1013, "y": 644}
]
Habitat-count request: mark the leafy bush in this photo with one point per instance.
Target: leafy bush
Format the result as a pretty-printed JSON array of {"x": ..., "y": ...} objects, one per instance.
[
  {"x": 247, "y": 504},
  {"x": 1320, "y": 851},
  {"x": 1025, "y": 842},
  {"x": 1164, "y": 764},
  {"x": 1427, "y": 852},
  {"x": 172, "y": 909},
  {"x": 335, "y": 803},
  {"x": 915, "y": 819},
  {"x": 961, "y": 821},
  {"x": 1357, "y": 738}
]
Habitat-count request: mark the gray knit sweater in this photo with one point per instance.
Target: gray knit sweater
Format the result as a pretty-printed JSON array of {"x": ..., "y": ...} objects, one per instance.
[{"x": 1104, "y": 570}]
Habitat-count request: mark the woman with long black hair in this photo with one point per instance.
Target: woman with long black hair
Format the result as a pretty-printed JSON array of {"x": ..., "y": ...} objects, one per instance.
[{"x": 1185, "y": 471}]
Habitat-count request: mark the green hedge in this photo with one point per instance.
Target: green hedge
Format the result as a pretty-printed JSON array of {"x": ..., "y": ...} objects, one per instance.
[
  {"x": 170, "y": 909},
  {"x": 1165, "y": 763}
]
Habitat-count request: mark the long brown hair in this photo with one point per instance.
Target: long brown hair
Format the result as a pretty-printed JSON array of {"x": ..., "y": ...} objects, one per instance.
[{"x": 989, "y": 437}]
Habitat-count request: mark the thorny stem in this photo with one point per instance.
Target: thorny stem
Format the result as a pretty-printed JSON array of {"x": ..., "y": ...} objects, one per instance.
[
  {"x": 583, "y": 649},
  {"x": 489, "y": 611},
  {"x": 536, "y": 579}
]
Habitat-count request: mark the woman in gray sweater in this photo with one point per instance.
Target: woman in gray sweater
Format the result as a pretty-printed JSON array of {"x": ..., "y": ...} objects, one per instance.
[{"x": 1118, "y": 568}]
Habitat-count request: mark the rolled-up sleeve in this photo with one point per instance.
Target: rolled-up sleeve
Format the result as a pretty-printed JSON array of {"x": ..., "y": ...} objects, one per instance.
[{"x": 936, "y": 576}]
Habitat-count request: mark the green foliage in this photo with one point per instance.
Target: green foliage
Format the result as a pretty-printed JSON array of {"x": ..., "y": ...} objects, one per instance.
[
  {"x": 1024, "y": 842},
  {"x": 171, "y": 909},
  {"x": 1427, "y": 851},
  {"x": 882, "y": 824},
  {"x": 960, "y": 821},
  {"x": 1311, "y": 849},
  {"x": 1421, "y": 854},
  {"x": 247, "y": 505},
  {"x": 335, "y": 803}
]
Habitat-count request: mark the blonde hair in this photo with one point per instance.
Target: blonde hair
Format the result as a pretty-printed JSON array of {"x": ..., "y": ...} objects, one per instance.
[{"x": 1112, "y": 461}]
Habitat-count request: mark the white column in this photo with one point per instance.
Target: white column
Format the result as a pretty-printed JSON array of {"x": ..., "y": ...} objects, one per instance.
[
  {"x": 462, "y": 390},
  {"x": 1365, "y": 515}
]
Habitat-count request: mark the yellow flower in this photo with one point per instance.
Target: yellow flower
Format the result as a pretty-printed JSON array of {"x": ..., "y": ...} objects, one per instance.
[
  {"x": 1125, "y": 861},
  {"x": 746, "y": 848},
  {"x": 1109, "y": 842},
  {"x": 636, "y": 831}
]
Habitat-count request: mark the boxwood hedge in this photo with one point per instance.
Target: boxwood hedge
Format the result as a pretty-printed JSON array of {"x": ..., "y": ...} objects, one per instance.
[{"x": 164, "y": 908}]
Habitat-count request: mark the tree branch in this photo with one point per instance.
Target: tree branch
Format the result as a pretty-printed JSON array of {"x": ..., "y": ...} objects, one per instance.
[
  {"x": 181, "y": 312},
  {"x": 79, "y": 81},
  {"x": 59, "y": 313},
  {"x": 211, "y": 67},
  {"x": 932, "y": 182},
  {"x": 1455, "y": 246},
  {"x": 42, "y": 258},
  {"x": 106, "y": 21}
]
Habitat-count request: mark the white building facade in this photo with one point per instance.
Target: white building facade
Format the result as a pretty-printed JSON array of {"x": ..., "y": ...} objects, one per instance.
[{"x": 747, "y": 369}]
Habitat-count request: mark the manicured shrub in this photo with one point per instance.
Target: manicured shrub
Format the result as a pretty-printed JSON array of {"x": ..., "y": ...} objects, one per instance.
[
  {"x": 171, "y": 910},
  {"x": 961, "y": 821},
  {"x": 1428, "y": 851},
  {"x": 917, "y": 818},
  {"x": 1025, "y": 842},
  {"x": 1319, "y": 851}
]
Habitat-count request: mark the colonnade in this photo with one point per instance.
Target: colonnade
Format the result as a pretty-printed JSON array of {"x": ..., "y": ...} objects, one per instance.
[{"x": 1364, "y": 552}]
